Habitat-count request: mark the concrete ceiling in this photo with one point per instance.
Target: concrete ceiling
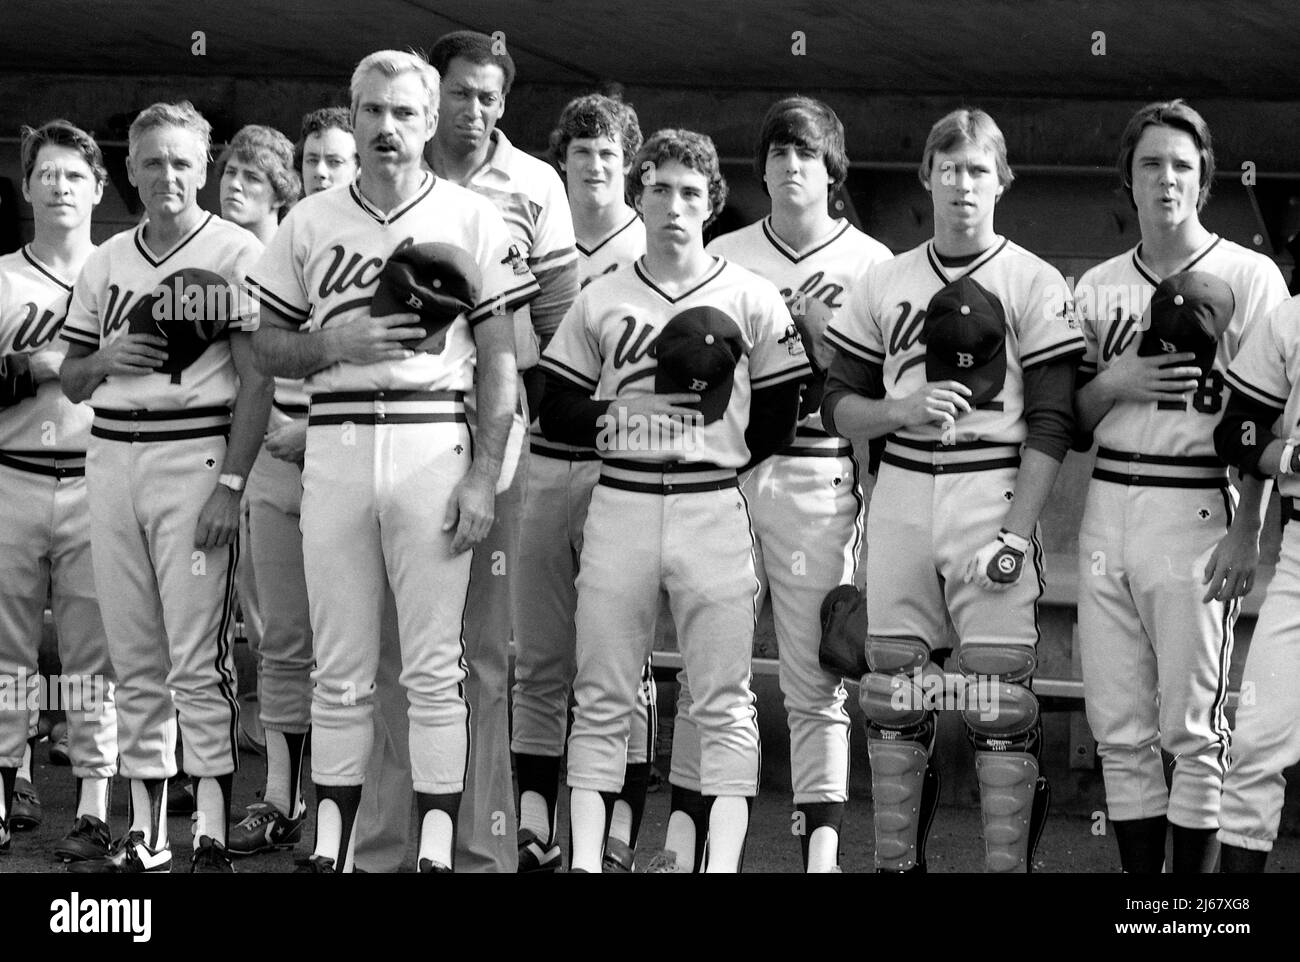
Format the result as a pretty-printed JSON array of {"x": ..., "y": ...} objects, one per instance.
[{"x": 1053, "y": 48}]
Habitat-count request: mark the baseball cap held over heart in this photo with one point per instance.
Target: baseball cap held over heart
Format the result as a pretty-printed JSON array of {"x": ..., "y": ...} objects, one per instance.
[
  {"x": 965, "y": 338},
  {"x": 1188, "y": 312},
  {"x": 438, "y": 282},
  {"x": 697, "y": 352}
]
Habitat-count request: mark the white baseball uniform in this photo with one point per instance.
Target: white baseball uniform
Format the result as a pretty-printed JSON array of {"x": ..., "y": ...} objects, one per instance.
[
  {"x": 1155, "y": 657},
  {"x": 668, "y": 516},
  {"x": 560, "y": 479},
  {"x": 155, "y": 451},
  {"x": 1266, "y": 737},
  {"x": 274, "y": 495},
  {"x": 386, "y": 445},
  {"x": 45, "y": 533},
  {"x": 938, "y": 503},
  {"x": 530, "y": 197},
  {"x": 807, "y": 507}
]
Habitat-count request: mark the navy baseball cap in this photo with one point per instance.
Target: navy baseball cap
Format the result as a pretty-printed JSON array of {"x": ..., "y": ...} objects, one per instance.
[
  {"x": 697, "y": 352},
  {"x": 189, "y": 309},
  {"x": 439, "y": 282},
  {"x": 1188, "y": 312},
  {"x": 965, "y": 338}
]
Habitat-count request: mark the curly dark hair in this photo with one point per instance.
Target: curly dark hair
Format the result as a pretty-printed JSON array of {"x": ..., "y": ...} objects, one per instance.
[
  {"x": 688, "y": 148},
  {"x": 595, "y": 115}
]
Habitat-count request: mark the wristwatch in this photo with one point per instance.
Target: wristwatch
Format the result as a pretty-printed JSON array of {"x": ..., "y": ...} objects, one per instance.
[{"x": 235, "y": 482}]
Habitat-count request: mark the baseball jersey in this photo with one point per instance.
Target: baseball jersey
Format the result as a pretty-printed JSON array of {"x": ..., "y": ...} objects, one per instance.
[
  {"x": 324, "y": 262},
  {"x": 531, "y": 198},
  {"x": 605, "y": 346},
  {"x": 619, "y": 249},
  {"x": 816, "y": 280},
  {"x": 882, "y": 322},
  {"x": 1267, "y": 370},
  {"x": 33, "y": 304},
  {"x": 1112, "y": 300},
  {"x": 124, "y": 269}
]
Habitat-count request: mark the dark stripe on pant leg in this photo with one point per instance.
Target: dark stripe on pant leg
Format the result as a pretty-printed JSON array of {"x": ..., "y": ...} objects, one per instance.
[{"x": 226, "y": 682}]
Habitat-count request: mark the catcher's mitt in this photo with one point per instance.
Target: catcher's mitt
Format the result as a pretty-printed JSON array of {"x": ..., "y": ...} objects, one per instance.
[{"x": 843, "y": 648}]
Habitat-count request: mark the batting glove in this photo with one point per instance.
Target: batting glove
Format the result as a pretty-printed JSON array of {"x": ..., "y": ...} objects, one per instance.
[{"x": 997, "y": 565}]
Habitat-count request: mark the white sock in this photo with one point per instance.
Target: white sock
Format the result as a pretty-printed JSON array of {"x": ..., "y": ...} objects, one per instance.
[
  {"x": 681, "y": 840},
  {"x": 823, "y": 849},
  {"x": 142, "y": 815},
  {"x": 620, "y": 826},
  {"x": 25, "y": 769},
  {"x": 277, "y": 774},
  {"x": 587, "y": 816},
  {"x": 349, "y": 863},
  {"x": 728, "y": 825},
  {"x": 533, "y": 815},
  {"x": 210, "y": 805},
  {"x": 94, "y": 798},
  {"x": 329, "y": 826},
  {"x": 435, "y": 837}
]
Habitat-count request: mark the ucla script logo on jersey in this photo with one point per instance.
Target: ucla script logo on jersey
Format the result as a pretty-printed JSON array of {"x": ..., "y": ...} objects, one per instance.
[{"x": 37, "y": 329}]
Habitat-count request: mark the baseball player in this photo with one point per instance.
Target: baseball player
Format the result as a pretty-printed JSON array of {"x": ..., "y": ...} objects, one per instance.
[
  {"x": 395, "y": 490},
  {"x": 326, "y": 152},
  {"x": 1161, "y": 522},
  {"x": 257, "y": 186},
  {"x": 593, "y": 145},
  {"x": 1264, "y": 382},
  {"x": 961, "y": 352},
  {"x": 805, "y": 501},
  {"x": 44, "y": 520},
  {"x": 468, "y": 149},
  {"x": 158, "y": 342},
  {"x": 679, "y": 373},
  {"x": 256, "y": 194}
]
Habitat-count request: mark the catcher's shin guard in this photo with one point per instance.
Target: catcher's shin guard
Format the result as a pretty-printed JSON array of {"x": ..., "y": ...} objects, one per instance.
[
  {"x": 900, "y": 737},
  {"x": 1005, "y": 729}
]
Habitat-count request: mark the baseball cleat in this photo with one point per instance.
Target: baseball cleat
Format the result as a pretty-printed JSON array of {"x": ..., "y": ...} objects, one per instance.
[
  {"x": 315, "y": 865},
  {"x": 536, "y": 856},
  {"x": 130, "y": 856},
  {"x": 59, "y": 745},
  {"x": 88, "y": 839},
  {"x": 619, "y": 858},
  {"x": 210, "y": 858},
  {"x": 265, "y": 829},
  {"x": 428, "y": 866},
  {"x": 664, "y": 863},
  {"x": 26, "y": 811}
]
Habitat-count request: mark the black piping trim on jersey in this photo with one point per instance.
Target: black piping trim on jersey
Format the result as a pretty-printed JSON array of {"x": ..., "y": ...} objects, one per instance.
[
  {"x": 1057, "y": 352},
  {"x": 226, "y": 682},
  {"x": 1245, "y": 387},
  {"x": 570, "y": 253},
  {"x": 1231, "y": 609},
  {"x": 148, "y": 256},
  {"x": 780, "y": 377},
  {"x": 371, "y": 211},
  {"x": 573, "y": 376},
  {"x": 1149, "y": 275},
  {"x": 588, "y": 253},
  {"x": 510, "y": 302},
  {"x": 933, "y": 257},
  {"x": 709, "y": 277},
  {"x": 861, "y": 352},
  {"x": 74, "y": 336},
  {"x": 1158, "y": 481},
  {"x": 290, "y": 410},
  {"x": 31, "y": 259},
  {"x": 966, "y": 467},
  {"x": 281, "y": 306},
  {"x": 784, "y": 249}
]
